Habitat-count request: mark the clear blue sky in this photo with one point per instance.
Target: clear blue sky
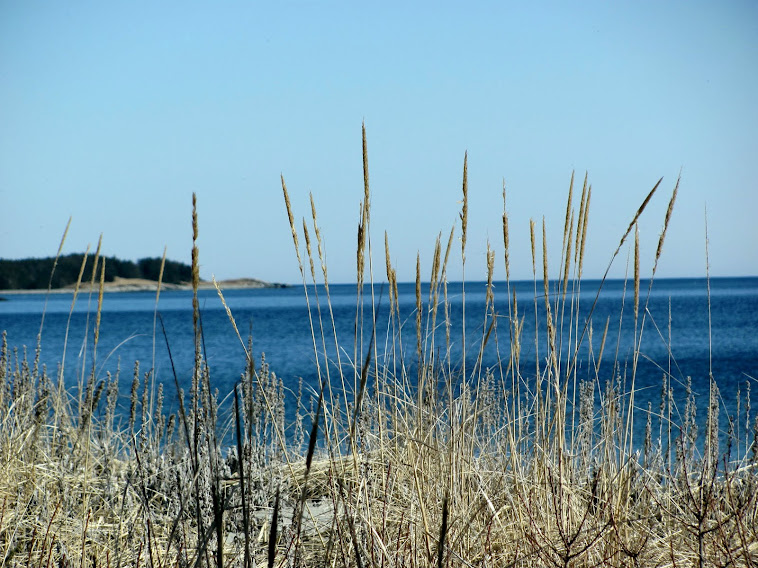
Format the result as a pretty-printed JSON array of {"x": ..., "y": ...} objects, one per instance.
[{"x": 115, "y": 112}]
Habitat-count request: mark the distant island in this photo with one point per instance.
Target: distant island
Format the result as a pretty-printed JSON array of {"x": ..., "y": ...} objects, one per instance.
[{"x": 33, "y": 274}]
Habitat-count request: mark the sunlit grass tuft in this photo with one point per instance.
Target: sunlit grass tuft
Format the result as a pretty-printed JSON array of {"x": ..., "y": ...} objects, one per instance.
[{"x": 412, "y": 458}]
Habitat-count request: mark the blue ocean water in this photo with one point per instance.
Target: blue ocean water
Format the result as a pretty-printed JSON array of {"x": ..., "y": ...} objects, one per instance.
[{"x": 679, "y": 337}]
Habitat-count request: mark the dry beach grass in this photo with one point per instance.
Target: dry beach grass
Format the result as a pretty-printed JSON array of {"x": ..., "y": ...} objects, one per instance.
[{"x": 411, "y": 459}]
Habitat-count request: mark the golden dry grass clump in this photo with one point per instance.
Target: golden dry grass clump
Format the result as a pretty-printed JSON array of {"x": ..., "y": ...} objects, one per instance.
[{"x": 412, "y": 459}]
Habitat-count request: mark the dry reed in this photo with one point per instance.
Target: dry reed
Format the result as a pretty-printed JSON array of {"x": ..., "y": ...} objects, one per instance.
[{"x": 465, "y": 466}]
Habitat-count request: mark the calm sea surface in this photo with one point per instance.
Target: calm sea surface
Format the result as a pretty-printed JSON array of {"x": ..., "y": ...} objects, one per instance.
[{"x": 279, "y": 324}]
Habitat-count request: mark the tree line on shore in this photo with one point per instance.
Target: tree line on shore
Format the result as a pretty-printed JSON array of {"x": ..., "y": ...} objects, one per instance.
[{"x": 35, "y": 273}]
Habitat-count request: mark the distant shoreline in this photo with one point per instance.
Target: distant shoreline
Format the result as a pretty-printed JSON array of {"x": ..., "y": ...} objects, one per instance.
[{"x": 141, "y": 285}]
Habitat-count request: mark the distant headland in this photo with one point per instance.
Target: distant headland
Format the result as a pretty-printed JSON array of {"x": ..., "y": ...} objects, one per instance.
[{"x": 34, "y": 275}]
